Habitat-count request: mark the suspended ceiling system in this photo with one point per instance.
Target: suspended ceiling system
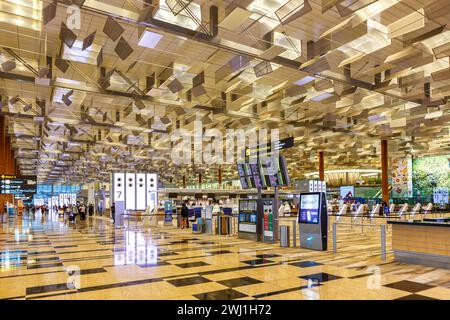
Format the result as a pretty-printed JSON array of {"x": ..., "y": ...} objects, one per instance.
[{"x": 337, "y": 75}]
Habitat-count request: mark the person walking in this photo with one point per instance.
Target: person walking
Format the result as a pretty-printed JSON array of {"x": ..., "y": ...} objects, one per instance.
[
  {"x": 91, "y": 209},
  {"x": 113, "y": 212},
  {"x": 82, "y": 212},
  {"x": 184, "y": 215}
]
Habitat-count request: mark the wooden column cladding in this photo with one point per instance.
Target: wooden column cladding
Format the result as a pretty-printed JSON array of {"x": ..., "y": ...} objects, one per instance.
[
  {"x": 384, "y": 171},
  {"x": 321, "y": 167}
]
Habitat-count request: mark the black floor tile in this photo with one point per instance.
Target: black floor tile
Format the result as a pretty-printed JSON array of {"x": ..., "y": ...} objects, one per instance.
[
  {"x": 154, "y": 264},
  {"x": 205, "y": 242},
  {"x": 273, "y": 293},
  {"x": 239, "y": 282},
  {"x": 409, "y": 286},
  {"x": 257, "y": 261},
  {"x": 118, "y": 285},
  {"x": 188, "y": 281},
  {"x": 305, "y": 264},
  {"x": 178, "y": 242},
  {"x": 267, "y": 255},
  {"x": 49, "y": 265},
  {"x": 415, "y": 297},
  {"x": 45, "y": 259},
  {"x": 103, "y": 243},
  {"x": 40, "y": 253},
  {"x": 192, "y": 264},
  {"x": 92, "y": 271},
  {"x": 213, "y": 253},
  {"x": 226, "y": 294},
  {"x": 166, "y": 254},
  {"x": 320, "y": 277},
  {"x": 47, "y": 288}
]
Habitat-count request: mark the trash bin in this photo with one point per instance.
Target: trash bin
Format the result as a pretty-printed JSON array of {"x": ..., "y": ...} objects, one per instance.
[
  {"x": 285, "y": 236},
  {"x": 223, "y": 225}
]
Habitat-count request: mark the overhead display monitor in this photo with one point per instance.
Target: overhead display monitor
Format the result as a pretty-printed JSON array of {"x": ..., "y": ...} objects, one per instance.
[
  {"x": 283, "y": 175},
  {"x": 274, "y": 173},
  {"x": 309, "y": 208},
  {"x": 266, "y": 172},
  {"x": 255, "y": 175}
]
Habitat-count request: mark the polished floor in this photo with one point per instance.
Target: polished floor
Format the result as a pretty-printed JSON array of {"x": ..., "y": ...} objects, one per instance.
[{"x": 46, "y": 257}]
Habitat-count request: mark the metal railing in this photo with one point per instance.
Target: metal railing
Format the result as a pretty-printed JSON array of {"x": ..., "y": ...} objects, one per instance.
[
  {"x": 233, "y": 230},
  {"x": 382, "y": 237}
]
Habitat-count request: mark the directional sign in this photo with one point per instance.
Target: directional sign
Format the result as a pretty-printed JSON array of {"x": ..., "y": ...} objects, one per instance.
[{"x": 22, "y": 187}]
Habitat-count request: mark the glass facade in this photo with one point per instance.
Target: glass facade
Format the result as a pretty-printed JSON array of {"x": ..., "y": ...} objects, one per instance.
[{"x": 45, "y": 191}]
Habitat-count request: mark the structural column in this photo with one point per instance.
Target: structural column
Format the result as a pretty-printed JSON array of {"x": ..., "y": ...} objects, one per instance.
[
  {"x": 219, "y": 176},
  {"x": 13, "y": 163},
  {"x": 199, "y": 178},
  {"x": 9, "y": 162},
  {"x": 2, "y": 146},
  {"x": 321, "y": 167},
  {"x": 384, "y": 171}
]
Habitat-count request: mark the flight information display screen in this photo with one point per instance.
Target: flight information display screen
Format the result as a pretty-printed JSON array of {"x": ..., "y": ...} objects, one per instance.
[
  {"x": 309, "y": 208},
  {"x": 266, "y": 172},
  {"x": 255, "y": 175}
]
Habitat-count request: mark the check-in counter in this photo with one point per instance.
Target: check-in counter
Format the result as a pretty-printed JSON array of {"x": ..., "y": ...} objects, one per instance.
[{"x": 422, "y": 242}]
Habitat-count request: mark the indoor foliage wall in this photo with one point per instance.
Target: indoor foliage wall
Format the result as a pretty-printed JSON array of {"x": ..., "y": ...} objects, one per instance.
[{"x": 430, "y": 172}]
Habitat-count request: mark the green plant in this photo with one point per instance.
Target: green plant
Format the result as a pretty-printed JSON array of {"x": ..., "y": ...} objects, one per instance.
[{"x": 430, "y": 172}]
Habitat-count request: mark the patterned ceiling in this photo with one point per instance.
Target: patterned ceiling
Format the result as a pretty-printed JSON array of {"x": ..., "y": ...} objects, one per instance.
[{"x": 103, "y": 91}]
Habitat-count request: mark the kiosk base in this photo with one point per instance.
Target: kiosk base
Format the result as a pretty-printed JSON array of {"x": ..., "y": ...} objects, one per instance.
[{"x": 248, "y": 236}]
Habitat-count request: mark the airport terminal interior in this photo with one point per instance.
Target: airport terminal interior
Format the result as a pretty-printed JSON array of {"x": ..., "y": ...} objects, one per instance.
[{"x": 224, "y": 150}]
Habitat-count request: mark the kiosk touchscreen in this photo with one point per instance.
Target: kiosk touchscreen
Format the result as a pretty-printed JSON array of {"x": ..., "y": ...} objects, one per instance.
[{"x": 313, "y": 221}]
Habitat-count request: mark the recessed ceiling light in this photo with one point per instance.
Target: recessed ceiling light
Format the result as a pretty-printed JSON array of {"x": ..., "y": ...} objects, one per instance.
[{"x": 150, "y": 39}]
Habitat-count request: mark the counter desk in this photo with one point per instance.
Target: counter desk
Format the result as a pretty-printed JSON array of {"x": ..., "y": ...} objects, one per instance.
[{"x": 424, "y": 242}]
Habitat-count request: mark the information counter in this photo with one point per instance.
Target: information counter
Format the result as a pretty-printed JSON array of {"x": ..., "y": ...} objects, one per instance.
[{"x": 422, "y": 242}]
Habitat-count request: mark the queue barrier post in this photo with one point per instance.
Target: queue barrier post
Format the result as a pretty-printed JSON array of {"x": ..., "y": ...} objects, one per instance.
[
  {"x": 334, "y": 237},
  {"x": 383, "y": 242},
  {"x": 294, "y": 233},
  {"x": 284, "y": 236}
]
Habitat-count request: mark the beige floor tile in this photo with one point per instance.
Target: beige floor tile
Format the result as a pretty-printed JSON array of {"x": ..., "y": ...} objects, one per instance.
[
  {"x": 437, "y": 293},
  {"x": 258, "y": 288}
]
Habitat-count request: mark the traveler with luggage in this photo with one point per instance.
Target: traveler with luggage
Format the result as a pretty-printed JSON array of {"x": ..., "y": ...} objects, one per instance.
[{"x": 184, "y": 216}]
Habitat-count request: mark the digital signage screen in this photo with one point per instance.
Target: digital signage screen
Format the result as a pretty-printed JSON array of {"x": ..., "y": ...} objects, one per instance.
[
  {"x": 244, "y": 183},
  {"x": 21, "y": 187},
  {"x": 284, "y": 172},
  {"x": 267, "y": 172},
  {"x": 309, "y": 208},
  {"x": 241, "y": 170},
  {"x": 254, "y": 169}
]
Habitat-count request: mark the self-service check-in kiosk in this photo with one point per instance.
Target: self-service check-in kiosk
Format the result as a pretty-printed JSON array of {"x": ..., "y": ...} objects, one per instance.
[{"x": 313, "y": 221}]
